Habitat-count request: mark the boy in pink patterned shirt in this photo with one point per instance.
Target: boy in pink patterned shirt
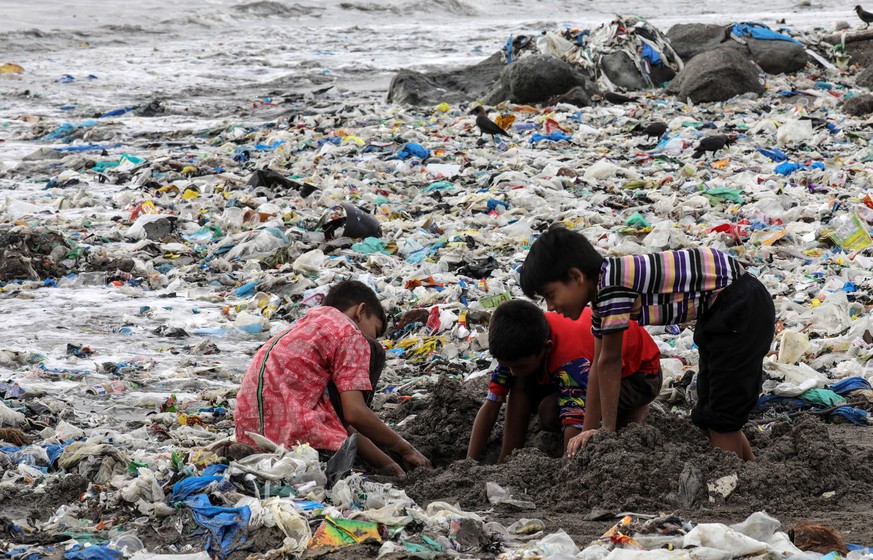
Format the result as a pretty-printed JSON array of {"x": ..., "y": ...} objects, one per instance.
[{"x": 286, "y": 392}]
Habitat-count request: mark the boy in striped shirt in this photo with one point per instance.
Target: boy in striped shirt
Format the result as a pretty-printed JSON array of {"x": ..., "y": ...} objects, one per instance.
[{"x": 735, "y": 321}]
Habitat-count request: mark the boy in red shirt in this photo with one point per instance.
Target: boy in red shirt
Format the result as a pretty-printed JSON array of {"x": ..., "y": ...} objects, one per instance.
[
  {"x": 286, "y": 392},
  {"x": 544, "y": 362}
]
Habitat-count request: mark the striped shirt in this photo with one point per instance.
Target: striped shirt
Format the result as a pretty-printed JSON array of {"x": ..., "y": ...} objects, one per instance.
[{"x": 660, "y": 288}]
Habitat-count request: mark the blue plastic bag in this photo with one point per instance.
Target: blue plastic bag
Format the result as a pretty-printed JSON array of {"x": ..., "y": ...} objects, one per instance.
[
  {"x": 192, "y": 484},
  {"x": 856, "y": 416},
  {"x": 850, "y": 384},
  {"x": 93, "y": 553},
  {"x": 413, "y": 149},
  {"x": 652, "y": 55},
  {"x": 224, "y": 524},
  {"x": 775, "y": 154},
  {"x": 555, "y": 136},
  {"x": 760, "y": 31}
]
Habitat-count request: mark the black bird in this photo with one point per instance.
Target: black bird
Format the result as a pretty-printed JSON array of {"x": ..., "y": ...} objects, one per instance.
[
  {"x": 486, "y": 125},
  {"x": 656, "y": 129},
  {"x": 617, "y": 98},
  {"x": 711, "y": 144},
  {"x": 865, "y": 16}
]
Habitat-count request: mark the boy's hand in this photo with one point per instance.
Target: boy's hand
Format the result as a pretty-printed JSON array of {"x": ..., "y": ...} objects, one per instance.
[
  {"x": 578, "y": 442},
  {"x": 416, "y": 460},
  {"x": 392, "y": 469}
]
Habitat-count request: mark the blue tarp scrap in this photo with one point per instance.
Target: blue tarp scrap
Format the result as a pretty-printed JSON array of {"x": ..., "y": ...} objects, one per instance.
[
  {"x": 555, "y": 136},
  {"x": 775, "y": 154},
  {"x": 760, "y": 31},
  {"x": 214, "y": 469},
  {"x": 850, "y": 384},
  {"x": 856, "y": 416},
  {"x": 93, "y": 553},
  {"x": 413, "y": 149},
  {"x": 117, "y": 112},
  {"x": 193, "y": 484},
  {"x": 787, "y": 167},
  {"x": 508, "y": 48},
  {"x": 651, "y": 55},
  {"x": 226, "y": 526},
  {"x": 54, "y": 450}
]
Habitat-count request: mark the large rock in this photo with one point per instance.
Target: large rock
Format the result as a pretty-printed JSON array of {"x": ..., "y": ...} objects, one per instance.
[
  {"x": 865, "y": 78},
  {"x": 716, "y": 75},
  {"x": 774, "y": 57},
  {"x": 454, "y": 86},
  {"x": 778, "y": 57},
  {"x": 691, "y": 39},
  {"x": 859, "y": 105},
  {"x": 624, "y": 73},
  {"x": 534, "y": 79}
]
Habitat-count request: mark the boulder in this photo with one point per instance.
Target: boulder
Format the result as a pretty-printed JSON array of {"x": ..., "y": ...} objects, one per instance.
[
  {"x": 774, "y": 57},
  {"x": 453, "y": 86},
  {"x": 576, "y": 96},
  {"x": 859, "y": 105},
  {"x": 537, "y": 78},
  {"x": 716, "y": 75},
  {"x": 624, "y": 73},
  {"x": 865, "y": 78},
  {"x": 778, "y": 57},
  {"x": 691, "y": 39}
]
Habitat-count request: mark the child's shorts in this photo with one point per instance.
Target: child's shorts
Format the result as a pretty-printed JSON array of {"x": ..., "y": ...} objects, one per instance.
[
  {"x": 733, "y": 337},
  {"x": 639, "y": 390}
]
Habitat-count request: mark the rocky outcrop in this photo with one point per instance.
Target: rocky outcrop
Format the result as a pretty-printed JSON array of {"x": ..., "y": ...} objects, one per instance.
[
  {"x": 716, "y": 75},
  {"x": 774, "y": 57},
  {"x": 534, "y": 79},
  {"x": 452, "y": 86}
]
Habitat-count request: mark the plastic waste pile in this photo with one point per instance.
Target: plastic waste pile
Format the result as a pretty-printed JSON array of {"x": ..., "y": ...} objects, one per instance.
[
  {"x": 643, "y": 44},
  {"x": 167, "y": 259},
  {"x": 216, "y": 509}
]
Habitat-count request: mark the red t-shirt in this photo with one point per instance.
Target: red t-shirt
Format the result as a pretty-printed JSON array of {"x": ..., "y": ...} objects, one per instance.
[
  {"x": 283, "y": 394},
  {"x": 639, "y": 353},
  {"x": 572, "y": 341}
]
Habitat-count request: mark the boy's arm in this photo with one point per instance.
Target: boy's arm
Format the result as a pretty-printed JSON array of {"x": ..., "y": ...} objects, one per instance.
[
  {"x": 569, "y": 433},
  {"x": 592, "y": 397},
  {"x": 482, "y": 426},
  {"x": 608, "y": 377},
  {"x": 361, "y": 418},
  {"x": 516, "y": 421}
]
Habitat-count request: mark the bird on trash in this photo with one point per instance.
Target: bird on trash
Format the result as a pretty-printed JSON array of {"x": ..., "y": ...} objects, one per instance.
[
  {"x": 711, "y": 144},
  {"x": 655, "y": 129},
  {"x": 865, "y": 16},
  {"x": 615, "y": 98},
  {"x": 486, "y": 125}
]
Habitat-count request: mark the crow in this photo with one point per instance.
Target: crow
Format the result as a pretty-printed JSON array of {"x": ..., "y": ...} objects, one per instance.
[
  {"x": 865, "y": 16},
  {"x": 616, "y": 98},
  {"x": 711, "y": 144},
  {"x": 656, "y": 129},
  {"x": 486, "y": 125}
]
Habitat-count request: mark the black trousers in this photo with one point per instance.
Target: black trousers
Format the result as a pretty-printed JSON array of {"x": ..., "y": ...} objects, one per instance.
[{"x": 733, "y": 338}]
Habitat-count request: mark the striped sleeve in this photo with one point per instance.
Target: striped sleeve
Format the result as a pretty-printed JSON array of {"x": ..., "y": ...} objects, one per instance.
[{"x": 611, "y": 311}]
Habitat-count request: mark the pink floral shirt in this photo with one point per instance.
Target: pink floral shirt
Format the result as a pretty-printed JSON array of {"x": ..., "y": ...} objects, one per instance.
[{"x": 283, "y": 395}]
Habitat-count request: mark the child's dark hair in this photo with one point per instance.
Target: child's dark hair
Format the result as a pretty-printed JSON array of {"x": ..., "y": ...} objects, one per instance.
[
  {"x": 518, "y": 329},
  {"x": 553, "y": 255},
  {"x": 350, "y": 293}
]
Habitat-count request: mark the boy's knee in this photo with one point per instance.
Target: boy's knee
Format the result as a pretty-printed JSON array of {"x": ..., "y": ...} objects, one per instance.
[{"x": 548, "y": 413}]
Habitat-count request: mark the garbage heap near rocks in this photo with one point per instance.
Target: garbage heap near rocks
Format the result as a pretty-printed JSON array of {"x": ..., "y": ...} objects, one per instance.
[{"x": 701, "y": 62}]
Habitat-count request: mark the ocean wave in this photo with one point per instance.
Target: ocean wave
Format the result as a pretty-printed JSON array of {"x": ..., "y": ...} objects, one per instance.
[
  {"x": 453, "y": 7},
  {"x": 267, "y": 8}
]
